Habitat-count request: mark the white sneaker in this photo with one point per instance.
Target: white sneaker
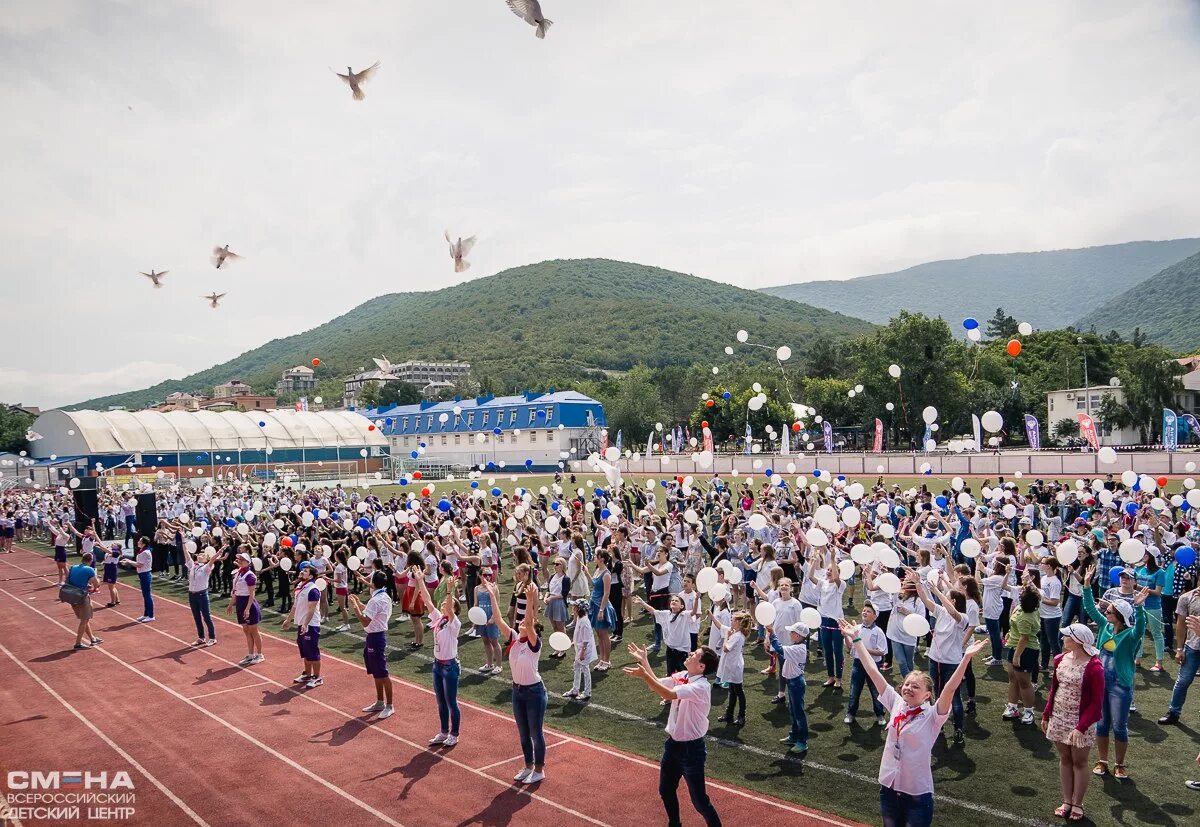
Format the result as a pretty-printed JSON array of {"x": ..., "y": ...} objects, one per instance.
[
  {"x": 345, "y": 627},
  {"x": 141, "y": 619},
  {"x": 1027, "y": 716},
  {"x": 246, "y": 661},
  {"x": 847, "y": 720},
  {"x": 451, "y": 740},
  {"x": 571, "y": 693},
  {"x": 375, "y": 707},
  {"x": 386, "y": 712},
  {"x": 881, "y": 720},
  {"x": 440, "y": 738},
  {"x": 305, "y": 678},
  {"x": 485, "y": 670},
  {"x": 402, "y": 618},
  {"x": 146, "y": 620},
  {"x": 315, "y": 682},
  {"x": 535, "y": 777},
  {"x": 497, "y": 670},
  {"x": 212, "y": 641},
  {"x": 523, "y": 774},
  {"x": 259, "y": 658},
  {"x": 1010, "y": 712}
]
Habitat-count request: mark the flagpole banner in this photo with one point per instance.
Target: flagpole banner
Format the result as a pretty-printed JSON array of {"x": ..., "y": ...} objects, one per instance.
[
  {"x": 618, "y": 440},
  {"x": 785, "y": 443},
  {"x": 1192, "y": 422},
  {"x": 925, "y": 439},
  {"x": 708, "y": 443},
  {"x": 878, "y": 446},
  {"x": 977, "y": 429},
  {"x": 1087, "y": 429},
  {"x": 827, "y": 428},
  {"x": 650, "y": 445},
  {"x": 1033, "y": 432},
  {"x": 1170, "y": 430},
  {"x": 603, "y": 441},
  {"x": 678, "y": 439},
  {"x": 749, "y": 438}
]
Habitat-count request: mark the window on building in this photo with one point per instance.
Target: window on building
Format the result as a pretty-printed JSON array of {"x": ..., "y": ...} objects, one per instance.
[
  {"x": 532, "y": 416},
  {"x": 457, "y": 439},
  {"x": 443, "y": 439},
  {"x": 533, "y": 436},
  {"x": 512, "y": 417},
  {"x": 486, "y": 415},
  {"x": 429, "y": 422},
  {"x": 471, "y": 419},
  {"x": 1052, "y": 403},
  {"x": 404, "y": 424},
  {"x": 1080, "y": 404},
  {"x": 549, "y": 436},
  {"x": 549, "y": 414}
]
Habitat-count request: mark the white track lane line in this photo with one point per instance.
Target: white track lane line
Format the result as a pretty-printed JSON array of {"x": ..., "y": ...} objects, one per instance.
[
  {"x": 231, "y": 689},
  {"x": 266, "y": 748},
  {"x": 116, "y": 747}
]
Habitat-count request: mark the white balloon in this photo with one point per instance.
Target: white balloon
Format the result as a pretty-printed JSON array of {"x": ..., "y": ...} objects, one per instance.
[
  {"x": 1034, "y": 537},
  {"x": 1067, "y": 552},
  {"x": 894, "y": 371},
  {"x": 552, "y": 524},
  {"x": 992, "y": 421},
  {"x": 851, "y": 517},
  {"x": 718, "y": 592},
  {"x": 930, "y": 415},
  {"x": 742, "y": 336},
  {"x": 1129, "y": 478},
  {"x": 969, "y": 547},
  {"x": 783, "y": 353},
  {"x": 477, "y": 616},
  {"x": 1193, "y": 497},
  {"x": 733, "y": 576},
  {"x": 706, "y": 578},
  {"x": 757, "y": 521},
  {"x": 285, "y": 563},
  {"x": 764, "y": 613},
  {"x": 916, "y": 625},
  {"x": 1025, "y": 328},
  {"x": 257, "y": 563},
  {"x": 826, "y": 517},
  {"x": 1107, "y": 455},
  {"x": 886, "y": 555},
  {"x": 846, "y": 569},
  {"x": 560, "y": 642},
  {"x": 888, "y": 582},
  {"x": 816, "y": 537},
  {"x": 1132, "y": 550}
]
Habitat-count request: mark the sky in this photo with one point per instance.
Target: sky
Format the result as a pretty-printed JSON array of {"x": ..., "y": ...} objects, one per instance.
[{"x": 756, "y": 144}]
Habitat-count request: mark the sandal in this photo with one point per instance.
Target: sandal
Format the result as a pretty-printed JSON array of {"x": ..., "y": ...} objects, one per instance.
[
  {"x": 1076, "y": 813},
  {"x": 1063, "y": 811},
  {"x": 1120, "y": 773},
  {"x": 1101, "y": 768}
]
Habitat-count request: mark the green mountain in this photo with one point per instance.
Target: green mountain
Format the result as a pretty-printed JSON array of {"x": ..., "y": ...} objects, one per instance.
[
  {"x": 1165, "y": 308},
  {"x": 532, "y": 325},
  {"x": 1048, "y": 289}
]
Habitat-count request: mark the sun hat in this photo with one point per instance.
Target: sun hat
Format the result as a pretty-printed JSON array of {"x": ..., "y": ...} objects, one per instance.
[
  {"x": 799, "y": 629},
  {"x": 1083, "y": 636},
  {"x": 1124, "y": 609}
]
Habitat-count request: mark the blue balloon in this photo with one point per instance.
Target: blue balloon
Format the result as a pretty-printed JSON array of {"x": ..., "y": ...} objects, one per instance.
[
  {"x": 769, "y": 472},
  {"x": 541, "y": 414},
  {"x": 605, "y": 513},
  {"x": 842, "y": 477},
  {"x": 230, "y": 522},
  {"x": 1114, "y": 576},
  {"x": 262, "y": 424},
  {"x": 528, "y": 463},
  {"x": 333, "y": 515},
  {"x": 496, "y": 492},
  {"x": 443, "y": 506},
  {"x": 497, "y": 431},
  {"x": 663, "y": 483},
  {"x": 364, "y": 523},
  {"x": 388, "y": 422},
  {"x": 474, "y": 483},
  {"x": 1084, "y": 515},
  {"x": 1131, "y": 508},
  {"x": 599, "y": 492},
  {"x": 413, "y": 454},
  {"x": 727, "y": 396},
  {"x": 422, "y": 445},
  {"x": 901, "y": 511},
  {"x": 404, "y": 481},
  {"x": 1186, "y": 556},
  {"x": 296, "y": 539},
  {"x": 941, "y": 501},
  {"x": 491, "y": 465},
  {"x": 970, "y": 324},
  {"x": 1137, "y": 486},
  {"x": 554, "y": 506}
]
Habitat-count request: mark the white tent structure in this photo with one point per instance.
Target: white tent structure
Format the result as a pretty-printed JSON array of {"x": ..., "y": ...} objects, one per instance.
[{"x": 123, "y": 433}]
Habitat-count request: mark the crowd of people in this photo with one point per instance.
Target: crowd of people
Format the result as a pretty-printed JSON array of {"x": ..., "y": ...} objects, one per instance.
[{"x": 1061, "y": 585}]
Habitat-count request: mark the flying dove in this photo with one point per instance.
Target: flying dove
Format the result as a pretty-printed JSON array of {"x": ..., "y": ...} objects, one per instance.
[
  {"x": 214, "y": 299},
  {"x": 459, "y": 250},
  {"x": 220, "y": 255},
  {"x": 531, "y": 12},
  {"x": 382, "y": 363},
  {"x": 156, "y": 277},
  {"x": 355, "y": 81}
]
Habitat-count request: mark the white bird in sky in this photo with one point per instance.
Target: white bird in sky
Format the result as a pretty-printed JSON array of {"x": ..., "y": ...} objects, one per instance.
[
  {"x": 459, "y": 250},
  {"x": 382, "y": 363},
  {"x": 531, "y": 12},
  {"x": 156, "y": 276},
  {"x": 355, "y": 80},
  {"x": 214, "y": 299},
  {"x": 222, "y": 254}
]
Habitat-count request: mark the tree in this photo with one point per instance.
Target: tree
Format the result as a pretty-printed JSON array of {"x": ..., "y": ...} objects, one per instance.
[
  {"x": 1151, "y": 380},
  {"x": 825, "y": 359},
  {"x": 13, "y": 424},
  {"x": 1001, "y": 325},
  {"x": 679, "y": 388},
  {"x": 368, "y": 397},
  {"x": 395, "y": 393},
  {"x": 727, "y": 418},
  {"x": 634, "y": 408},
  {"x": 1113, "y": 414},
  {"x": 1066, "y": 429}
]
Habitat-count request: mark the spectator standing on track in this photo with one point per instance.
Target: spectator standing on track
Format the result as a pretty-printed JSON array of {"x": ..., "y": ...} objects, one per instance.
[
  {"x": 199, "y": 567},
  {"x": 690, "y": 695},
  {"x": 112, "y": 560},
  {"x": 374, "y": 618},
  {"x": 529, "y": 693},
  {"x": 128, "y": 512},
  {"x": 83, "y": 576},
  {"x": 144, "y": 560},
  {"x": 446, "y": 668},
  {"x": 248, "y": 612},
  {"x": 307, "y": 617}
]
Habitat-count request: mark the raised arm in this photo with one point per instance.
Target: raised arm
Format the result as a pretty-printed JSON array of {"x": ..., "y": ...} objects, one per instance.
[{"x": 505, "y": 630}]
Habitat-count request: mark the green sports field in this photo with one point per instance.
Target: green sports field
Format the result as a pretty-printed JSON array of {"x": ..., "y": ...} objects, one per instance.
[{"x": 1005, "y": 773}]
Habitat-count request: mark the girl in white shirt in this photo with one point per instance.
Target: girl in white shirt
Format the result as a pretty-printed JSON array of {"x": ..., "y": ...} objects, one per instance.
[
  {"x": 1050, "y": 610},
  {"x": 830, "y": 607},
  {"x": 905, "y": 771},
  {"x": 585, "y": 653},
  {"x": 721, "y": 617},
  {"x": 529, "y": 693},
  {"x": 904, "y": 645},
  {"x": 731, "y": 668},
  {"x": 945, "y": 652}
]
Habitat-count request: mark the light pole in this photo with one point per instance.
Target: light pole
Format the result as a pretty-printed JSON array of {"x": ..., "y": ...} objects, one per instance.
[{"x": 1087, "y": 397}]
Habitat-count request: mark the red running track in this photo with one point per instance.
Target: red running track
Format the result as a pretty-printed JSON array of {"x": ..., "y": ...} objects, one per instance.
[{"x": 208, "y": 742}]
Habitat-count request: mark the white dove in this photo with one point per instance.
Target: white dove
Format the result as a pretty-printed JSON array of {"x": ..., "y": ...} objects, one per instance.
[
  {"x": 531, "y": 12},
  {"x": 220, "y": 255},
  {"x": 459, "y": 250},
  {"x": 156, "y": 277},
  {"x": 356, "y": 80},
  {"x": 382, "y": 363},
  {"x": 214, "y": 299}
]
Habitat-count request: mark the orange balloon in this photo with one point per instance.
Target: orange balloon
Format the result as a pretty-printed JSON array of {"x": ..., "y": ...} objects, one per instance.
[
  {"x": 795, "y": 427},
  {"x": 316, "y": 362},
  {"x": 425, "y": 492},
  {"x": 1162, "y": 482},
  {"x": 709, "y": 403},
  {"x": 704, "y": 424},
  {"x": 1014, "y": 347},
  {"x": 416, "y": 475}
]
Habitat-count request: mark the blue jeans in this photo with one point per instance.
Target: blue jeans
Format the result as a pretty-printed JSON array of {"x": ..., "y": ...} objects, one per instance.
[
  {"x": 903, "y": 810},
  {"x": 200, "y": 611},
  {"x": 685, "y": 759},
  {"x": 1187, "y": 673},
  {"x": 831, "y": 646},
  {"x": 445, "y": 688},
  {"x": 529, "y": 708},
  {"x": 1072, "y": 609},
  {"x": 858, "y": 677},
  {"x": 903, "y": 654},
  {"x": 147, "y": 597},
  {"x": 941, "y": 672},
  {"x": 1050, "y": 639},
  {"x": 795, "y": 701},
  {"x": 994, "y": 636},
  {"x": 1114, "y": 715},
  {"x": 130, "y": 532}
]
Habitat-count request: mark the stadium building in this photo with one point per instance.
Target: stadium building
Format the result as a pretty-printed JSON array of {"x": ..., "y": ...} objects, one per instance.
[
  {"x": 527, "y": 432},
  {"x": 209, "y": 444}
]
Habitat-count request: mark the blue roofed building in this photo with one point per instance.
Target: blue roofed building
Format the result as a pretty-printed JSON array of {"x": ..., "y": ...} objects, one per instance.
[{"x": 529, "y": 431}]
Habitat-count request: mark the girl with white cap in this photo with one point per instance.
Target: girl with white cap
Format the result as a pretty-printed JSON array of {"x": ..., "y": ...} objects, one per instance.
[{"x": 1072, "y": 709}]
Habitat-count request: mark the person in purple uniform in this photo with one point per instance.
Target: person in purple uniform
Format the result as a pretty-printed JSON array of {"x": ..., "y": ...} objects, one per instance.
[
  {"x": 374, "y": 618},
  {"x": 306, "y": 614},
  {"x": 248, "y": 613}
]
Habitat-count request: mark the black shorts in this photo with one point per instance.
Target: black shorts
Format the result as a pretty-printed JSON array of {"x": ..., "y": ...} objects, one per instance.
[{"x": 1029, "y": 660}]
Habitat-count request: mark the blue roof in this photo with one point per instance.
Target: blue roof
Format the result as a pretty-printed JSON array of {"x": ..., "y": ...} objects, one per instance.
[{"x": 528, "y": 410}]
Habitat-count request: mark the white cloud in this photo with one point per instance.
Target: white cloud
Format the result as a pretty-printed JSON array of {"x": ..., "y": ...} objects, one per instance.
[{"x": 785, "y": 141}]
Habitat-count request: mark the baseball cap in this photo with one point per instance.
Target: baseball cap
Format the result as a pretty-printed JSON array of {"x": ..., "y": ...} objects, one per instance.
[
  {"x": 243, "y": 556},
  {"x": 1083, "y": 636},
  {"x": 305, "y": 565},
  {"x": 1128, "y": 572},
  {"x": 799, "y": 629}
]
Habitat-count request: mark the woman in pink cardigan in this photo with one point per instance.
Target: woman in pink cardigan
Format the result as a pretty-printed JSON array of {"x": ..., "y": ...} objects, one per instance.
[{"x": 1071, "y": 713}]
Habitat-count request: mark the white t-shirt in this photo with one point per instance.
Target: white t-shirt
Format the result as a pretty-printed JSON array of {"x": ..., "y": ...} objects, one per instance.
[
  {"x": 1053, "y": 590},
  {"x": 732, "y": 666},
  {"x": 523, "y": 661},
  {"x": 676, "y": 629},
  {"x": 830, "y": 604},
  {"x": 906, "y": 765},
  {"x": 947, "y": 646},
  {"x": 445, "y": 636},
  {"x": 378, "y": 611},
  {"x": 688, "y": 719},
  {"x": 874, "y": 638},
  {"x": 895, "y": 629}
]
